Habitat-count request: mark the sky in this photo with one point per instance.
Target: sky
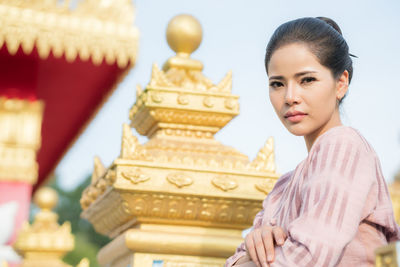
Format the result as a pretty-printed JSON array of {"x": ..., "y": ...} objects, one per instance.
[{"x": 235, "y": 34}]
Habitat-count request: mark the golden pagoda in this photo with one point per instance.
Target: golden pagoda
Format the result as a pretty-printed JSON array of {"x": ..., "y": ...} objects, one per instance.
[
  {"x": 45, "y": 242},
  {"x": 182, "y": 198}
]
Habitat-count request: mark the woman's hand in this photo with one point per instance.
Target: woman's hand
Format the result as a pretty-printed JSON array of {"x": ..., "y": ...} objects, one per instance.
[{"x": 260, "y": 244}]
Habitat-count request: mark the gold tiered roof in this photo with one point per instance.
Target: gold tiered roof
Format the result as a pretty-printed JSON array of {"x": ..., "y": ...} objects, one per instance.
[
  {"x": 94, "y": 29},
  {"x": 182, "y": 175}
]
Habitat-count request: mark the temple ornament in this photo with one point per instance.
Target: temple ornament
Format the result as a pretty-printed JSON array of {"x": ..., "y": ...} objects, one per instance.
[
  {"x": 182, "y": 197},
  {"x": 99, "y": 30},
  {"x": 20, "y": 124},
  {"x": 45, "y": 242}
]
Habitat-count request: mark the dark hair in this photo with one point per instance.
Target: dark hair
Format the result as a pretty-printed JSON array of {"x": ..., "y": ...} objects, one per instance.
[{"x": 323, "y": 37}]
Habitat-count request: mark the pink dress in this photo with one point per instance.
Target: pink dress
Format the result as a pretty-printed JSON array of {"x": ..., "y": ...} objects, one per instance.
[{"x": 335, "y": 206}]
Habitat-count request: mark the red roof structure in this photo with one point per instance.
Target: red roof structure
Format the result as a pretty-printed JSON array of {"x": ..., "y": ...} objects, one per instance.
[{"x": 71, "y": 60}]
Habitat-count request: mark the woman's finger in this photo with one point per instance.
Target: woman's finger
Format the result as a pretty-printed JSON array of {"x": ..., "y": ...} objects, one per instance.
[
  {"x": 250, "y": 248},
  {"x": 268, "y": 242},
  {"x": 260, "y": 249},
  {"x": 279, "y": 235}
]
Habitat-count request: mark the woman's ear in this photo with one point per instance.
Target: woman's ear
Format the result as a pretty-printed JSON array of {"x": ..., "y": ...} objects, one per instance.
[{"x": 342, "y": 85}]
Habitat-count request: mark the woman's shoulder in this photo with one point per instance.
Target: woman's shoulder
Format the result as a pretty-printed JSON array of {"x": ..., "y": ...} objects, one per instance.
[
  {"x": 344, "y": 152},
  {"x": 343, "y": 135}
]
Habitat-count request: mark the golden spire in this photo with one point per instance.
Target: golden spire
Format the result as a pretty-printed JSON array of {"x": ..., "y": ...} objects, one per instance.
[
  {"x": 179, "y": 96},
  {"x": 44, "y": 242},
  {"x": 182, "y": 184}
]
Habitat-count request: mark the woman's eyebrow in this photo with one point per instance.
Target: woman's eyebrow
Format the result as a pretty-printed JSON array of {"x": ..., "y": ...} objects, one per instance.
[
  {"x": 304, "y": 73},
  {"x": 279, "y": 77},
  {"x": 276, "y": 78}
]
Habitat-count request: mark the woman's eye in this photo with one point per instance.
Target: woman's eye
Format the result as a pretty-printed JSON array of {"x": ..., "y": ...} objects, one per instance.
[
  {"x": 275, "y": 84},
  {"x": 308, "y": 80}
]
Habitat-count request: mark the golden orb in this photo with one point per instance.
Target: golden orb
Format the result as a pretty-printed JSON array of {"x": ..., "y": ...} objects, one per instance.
[
  {"x": 46, "y": 198},
  {"x": 184, "y": 34}
]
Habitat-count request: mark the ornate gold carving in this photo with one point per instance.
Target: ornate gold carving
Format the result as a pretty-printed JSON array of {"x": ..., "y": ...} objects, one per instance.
[
  {"x": 156, "y": 97},
  {"x": 265, "y": 160},
  {"x": 179, "y": 179},
  {"x": 119, "y": 11},
  {"x": 20, "y": 124},
  {"x": 225, "y": 85},
  {"x": 198, "y": 101},
  {"x": 44, "y": 242},
  {"x": 161, "y": 207},
  {"x": 158, "y": 78},
  {"x": 230, "y": 103},
  {"x": 265, "y": 186},
  {"x": 100, "y": 31},
  {"x": 139, "y": 91},
  {"x": 208, "y": 102},
  {"x": 99, "y": 169},
  {"x": 130, "y": 147},
  {"x": 183, "y": 99},
  {"x": 135, "y": 176},
  {"x": 224, "y": 183}
]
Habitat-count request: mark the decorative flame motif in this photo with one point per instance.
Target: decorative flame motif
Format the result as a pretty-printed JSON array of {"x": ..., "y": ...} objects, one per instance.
[
  {"x": 224, "y": 183},
  {"x": 208, "y": 102},
  {"x": 183, "y": 99},
  {"x": 265, "y": 160},
  {"x": 265, "y": 186},
  {"x": 135, "y": 176},
  {"x": 99, "y": 169},
  {"x": 179, "y": 179},
  {"x": 130, "y": 144}
]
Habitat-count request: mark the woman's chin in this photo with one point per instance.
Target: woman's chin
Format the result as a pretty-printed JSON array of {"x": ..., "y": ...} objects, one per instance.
[{"x": 297, "y": 129}]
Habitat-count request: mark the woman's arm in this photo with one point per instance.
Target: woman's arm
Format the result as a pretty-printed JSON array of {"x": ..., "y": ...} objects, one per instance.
[
  {"x": 341, "y": 179},
  {"x": 258, "y": 220}
]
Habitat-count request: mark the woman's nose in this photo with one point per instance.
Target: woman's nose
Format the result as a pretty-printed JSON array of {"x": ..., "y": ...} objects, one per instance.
[{"x": 292, "y": 95}]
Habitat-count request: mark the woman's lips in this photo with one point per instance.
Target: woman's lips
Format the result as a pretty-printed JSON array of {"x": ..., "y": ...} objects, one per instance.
[{"x": 296, "y": 118}]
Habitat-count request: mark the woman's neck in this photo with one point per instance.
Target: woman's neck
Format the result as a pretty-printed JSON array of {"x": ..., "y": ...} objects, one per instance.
[{"x": 310, "y": 138}]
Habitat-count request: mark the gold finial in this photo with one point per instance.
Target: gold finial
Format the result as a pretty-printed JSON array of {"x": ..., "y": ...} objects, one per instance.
[
  {"x": 46, "y": 198},
  {"x": 184, "y": 34}
]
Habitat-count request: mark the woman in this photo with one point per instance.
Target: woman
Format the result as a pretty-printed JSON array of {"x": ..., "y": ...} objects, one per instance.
[{"x": 334, "y": 209}]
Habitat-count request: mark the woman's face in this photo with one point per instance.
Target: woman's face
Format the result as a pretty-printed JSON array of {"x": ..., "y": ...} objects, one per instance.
[{"x": 303, "y": 92}]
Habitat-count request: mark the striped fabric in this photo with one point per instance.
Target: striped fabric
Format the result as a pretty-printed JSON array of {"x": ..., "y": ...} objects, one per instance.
[{"x": 335, "y": 206}]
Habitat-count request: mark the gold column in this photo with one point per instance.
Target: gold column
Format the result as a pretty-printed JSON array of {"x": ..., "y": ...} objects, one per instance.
[
  {"x": 20, "y": 124},
  {"x": 182, "y": 198}
]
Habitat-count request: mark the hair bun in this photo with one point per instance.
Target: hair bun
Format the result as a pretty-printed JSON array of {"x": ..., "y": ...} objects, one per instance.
[{"x": 332, "y": 23}]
